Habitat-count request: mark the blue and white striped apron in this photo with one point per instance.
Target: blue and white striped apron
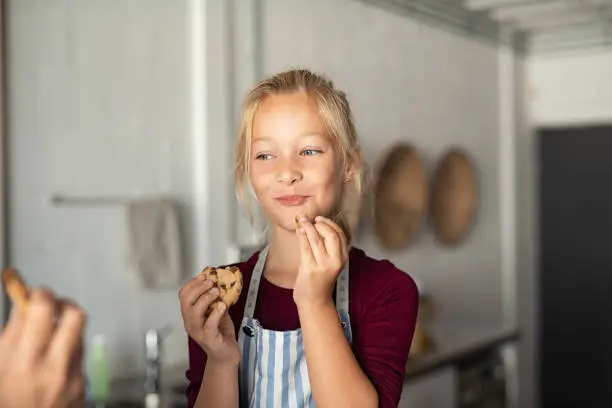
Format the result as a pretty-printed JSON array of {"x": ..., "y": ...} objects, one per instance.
[{"x": 273, "y": 367}]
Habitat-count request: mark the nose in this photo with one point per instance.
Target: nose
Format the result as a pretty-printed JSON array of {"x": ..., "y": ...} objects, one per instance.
[{"x": 289, "y": 173}]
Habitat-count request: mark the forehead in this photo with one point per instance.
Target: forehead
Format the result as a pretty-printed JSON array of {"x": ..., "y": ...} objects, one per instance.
[{"x": 288, "y": 115}]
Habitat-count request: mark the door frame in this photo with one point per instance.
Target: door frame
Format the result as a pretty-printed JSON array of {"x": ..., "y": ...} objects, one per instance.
[{"x": 4, "y": 164}]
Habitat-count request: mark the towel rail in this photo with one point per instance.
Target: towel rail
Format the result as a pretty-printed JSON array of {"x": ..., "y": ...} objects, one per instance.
[{"x": 65, "y": 200}]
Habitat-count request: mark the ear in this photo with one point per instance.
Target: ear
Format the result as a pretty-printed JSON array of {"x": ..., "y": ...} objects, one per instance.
[{"x": 354, "y": 167}]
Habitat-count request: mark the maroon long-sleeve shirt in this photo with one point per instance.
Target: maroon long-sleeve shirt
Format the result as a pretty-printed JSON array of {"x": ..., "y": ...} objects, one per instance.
[{"x": 383, "y": 305}]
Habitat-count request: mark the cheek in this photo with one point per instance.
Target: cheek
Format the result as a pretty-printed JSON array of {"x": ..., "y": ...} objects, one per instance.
[
  {"x": 256, "y": 183},
  {"x": 260, "y": 179},
  {"x": 328, "y": 180}
]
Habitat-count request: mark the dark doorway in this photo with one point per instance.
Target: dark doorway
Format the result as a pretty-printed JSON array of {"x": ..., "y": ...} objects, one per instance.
[{"x": 576, "y": 266}]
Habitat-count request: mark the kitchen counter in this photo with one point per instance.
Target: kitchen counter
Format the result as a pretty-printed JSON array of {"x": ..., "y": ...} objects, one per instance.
[
  {"x": 455, "y": 342},
  {"x": 163, "y": 400}
]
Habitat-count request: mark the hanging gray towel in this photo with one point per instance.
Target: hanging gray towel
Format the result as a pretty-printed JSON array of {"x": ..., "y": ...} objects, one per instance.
[{"x": 155, "y": 242}]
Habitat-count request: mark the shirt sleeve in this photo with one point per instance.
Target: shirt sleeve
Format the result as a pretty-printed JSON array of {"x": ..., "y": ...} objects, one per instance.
[
  {"x": 195, "y": 372},
  {"x": 386, "y": 335}
]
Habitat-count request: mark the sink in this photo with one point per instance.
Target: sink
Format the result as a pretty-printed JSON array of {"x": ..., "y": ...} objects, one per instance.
[
  {"x": 169, "y": 402},
  {"x": 128, "y": 392},
  {"x": 134, "y": 404},
  {"x": 118, "y": 404},
  {"x": 178, "y": 389}
]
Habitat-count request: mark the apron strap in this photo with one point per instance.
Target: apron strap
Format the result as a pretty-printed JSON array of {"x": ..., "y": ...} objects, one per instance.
[{"x": 249, "y": 308}]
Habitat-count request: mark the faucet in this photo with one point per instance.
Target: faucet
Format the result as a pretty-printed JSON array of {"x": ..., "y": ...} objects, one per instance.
[{"x": 153, "y": 359}]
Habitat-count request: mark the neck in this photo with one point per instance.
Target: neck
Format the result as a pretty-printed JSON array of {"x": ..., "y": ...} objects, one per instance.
[{"x": 284, "y": 252}]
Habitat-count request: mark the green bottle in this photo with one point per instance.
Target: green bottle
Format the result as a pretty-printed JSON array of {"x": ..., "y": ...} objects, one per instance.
[{"x": 98, "y": 379}]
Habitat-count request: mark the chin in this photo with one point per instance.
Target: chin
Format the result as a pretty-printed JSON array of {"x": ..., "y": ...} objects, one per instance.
[
  {"x": 286, "y": 219},
  {"x": 285, "y": 223}
]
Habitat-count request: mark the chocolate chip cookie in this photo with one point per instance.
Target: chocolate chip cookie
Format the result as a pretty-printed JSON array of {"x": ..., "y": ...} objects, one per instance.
[{"x": 229, "y": 282}]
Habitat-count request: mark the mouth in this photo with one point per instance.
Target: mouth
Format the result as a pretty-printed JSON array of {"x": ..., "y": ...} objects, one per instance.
[{"x": 291, "y": 200}]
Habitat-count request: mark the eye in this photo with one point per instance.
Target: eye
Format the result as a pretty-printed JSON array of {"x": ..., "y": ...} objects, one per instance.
[
  {"x": 311, "y": 152},
  {"x": 263, "y": 156}
]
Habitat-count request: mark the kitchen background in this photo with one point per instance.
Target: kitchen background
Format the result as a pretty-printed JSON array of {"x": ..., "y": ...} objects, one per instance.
[{"x": 116, "y": 100}]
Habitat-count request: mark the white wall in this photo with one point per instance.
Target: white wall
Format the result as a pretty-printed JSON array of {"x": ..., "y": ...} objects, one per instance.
[
  {"x": 100, "y": 106},
  {"x": 571, "y": 88},
  {"x": 526, "y": 242},
  {"x": 408, "y": 81}
]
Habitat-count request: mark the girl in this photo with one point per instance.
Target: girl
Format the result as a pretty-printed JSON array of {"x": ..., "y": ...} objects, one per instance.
[{"x": 318, "y": 322}]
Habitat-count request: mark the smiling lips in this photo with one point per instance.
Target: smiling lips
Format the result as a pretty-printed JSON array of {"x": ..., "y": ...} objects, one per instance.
[{"x": 291, "y": 200}]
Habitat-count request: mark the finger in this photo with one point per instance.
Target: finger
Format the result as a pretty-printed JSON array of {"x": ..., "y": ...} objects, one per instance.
[
  {"x": 76, "y": 392},
  {"x": 212, "y": 323},
  {"x": 190, "y": 286},
  {"x": 317, "y": 246},
  {"x": 306, "y": 254},
  {"x": 330, "y": 239},
  {"x": 195, "y": 289},
  {"x": 39, "y": 324},
  {"x": 76, "y": 363},
  {"x": 204, "y": 303},
  {"x": 341, "y": 234},
  {"x": 68, "y": 338},
  {"x": 14, "y": 326}
]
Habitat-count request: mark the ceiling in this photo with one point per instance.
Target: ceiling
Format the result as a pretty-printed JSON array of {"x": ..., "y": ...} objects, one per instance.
[{"x": 533, "y": 26}]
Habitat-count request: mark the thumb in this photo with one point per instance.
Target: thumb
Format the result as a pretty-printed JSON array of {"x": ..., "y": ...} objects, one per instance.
[{"x": 212, "y": 323}]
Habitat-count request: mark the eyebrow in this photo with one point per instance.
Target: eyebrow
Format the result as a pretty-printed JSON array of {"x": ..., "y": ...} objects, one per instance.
[{"x": 266, "y": 138}]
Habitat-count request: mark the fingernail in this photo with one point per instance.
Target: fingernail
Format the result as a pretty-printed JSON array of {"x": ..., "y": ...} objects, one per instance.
[
  {"x": 303, "y": 219},
  {"x": 223, "y": 307},
  {"x": 319, "y": 218},
  {"x": 214, "y": 291}
]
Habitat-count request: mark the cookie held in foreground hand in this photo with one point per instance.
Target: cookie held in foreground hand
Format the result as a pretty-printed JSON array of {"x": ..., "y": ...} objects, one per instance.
[
  {"x": 15, "y": 288},
  {"x": 229, "y": 282}
]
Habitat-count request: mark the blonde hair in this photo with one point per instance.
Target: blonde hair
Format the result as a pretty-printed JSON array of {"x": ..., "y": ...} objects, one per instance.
[{"x": 336, "y": 114}]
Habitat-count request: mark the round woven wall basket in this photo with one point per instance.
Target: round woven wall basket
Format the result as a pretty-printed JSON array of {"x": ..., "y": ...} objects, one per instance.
[
  {"x": 400, "y": 197},
  {"x": 453, "y": 197}
]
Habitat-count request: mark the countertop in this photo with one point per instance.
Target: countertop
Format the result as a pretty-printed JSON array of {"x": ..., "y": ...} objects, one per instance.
[{"x": 454, "y": 342}]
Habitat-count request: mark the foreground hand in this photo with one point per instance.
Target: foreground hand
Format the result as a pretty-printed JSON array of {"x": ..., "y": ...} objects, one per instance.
[
  {"x": 324, "y": 251},
  {"x": 215, "y": 334},
  {"x": 41, "y": 357}
]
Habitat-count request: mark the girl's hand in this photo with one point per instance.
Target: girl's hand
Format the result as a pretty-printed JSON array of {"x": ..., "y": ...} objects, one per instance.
[
  {"x": 324, "y": 251},
  {"x": 41, "y": 353},
  {"x": 215, "y": 334}
]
